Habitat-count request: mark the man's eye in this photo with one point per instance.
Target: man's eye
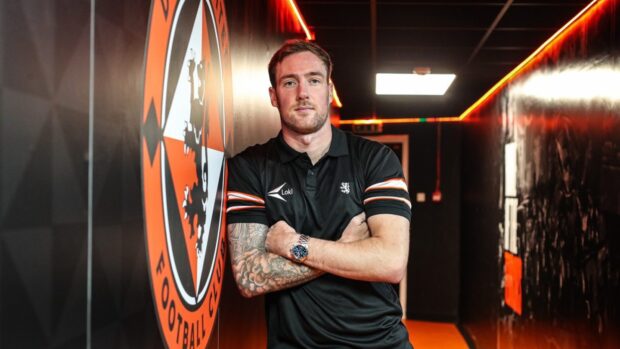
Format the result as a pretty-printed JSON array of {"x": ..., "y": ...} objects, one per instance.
[
  {"x": 315, "y": 81},
  {"x": 288, "y": 83}
]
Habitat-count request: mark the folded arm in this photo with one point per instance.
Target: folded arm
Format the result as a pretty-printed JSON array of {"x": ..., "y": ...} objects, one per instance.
[
  {"x": 258, "y": 271},
  {"x": 381, "y": 257}
]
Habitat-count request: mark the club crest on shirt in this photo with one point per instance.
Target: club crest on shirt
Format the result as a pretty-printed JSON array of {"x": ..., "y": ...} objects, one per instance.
[
  {"x": 345, "y": 188},
  {"x": 187, "y": 103}
]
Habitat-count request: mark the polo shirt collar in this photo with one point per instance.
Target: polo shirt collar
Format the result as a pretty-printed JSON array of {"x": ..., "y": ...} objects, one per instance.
[{"x": 338, "y": 146}]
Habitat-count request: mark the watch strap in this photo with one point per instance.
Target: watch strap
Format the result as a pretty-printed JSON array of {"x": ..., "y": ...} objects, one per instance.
[{"x": 303, "y": 240}]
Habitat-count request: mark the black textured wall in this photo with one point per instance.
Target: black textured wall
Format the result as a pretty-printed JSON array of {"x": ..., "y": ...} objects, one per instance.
[
  {"x": 45, "y": 76},
  {"x": 433, "y": 271},
  {"x": 43, "y": 174},
  {"x": 566, "y": 132},
  {"x": 122, "y": 308},
  {"x": 479, "y": 272}
]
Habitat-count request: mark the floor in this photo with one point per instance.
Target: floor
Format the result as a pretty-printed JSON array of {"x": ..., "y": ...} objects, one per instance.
[{"x": 434, "y": 335}]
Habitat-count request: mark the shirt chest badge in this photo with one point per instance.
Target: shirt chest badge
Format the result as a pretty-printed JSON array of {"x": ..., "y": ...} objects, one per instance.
[
  {"x": 281, "y": 192},
  {"x": 345, "y": 188}
]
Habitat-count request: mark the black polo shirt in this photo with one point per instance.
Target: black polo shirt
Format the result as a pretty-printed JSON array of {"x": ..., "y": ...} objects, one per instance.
[{"x": 272, "y": 182}]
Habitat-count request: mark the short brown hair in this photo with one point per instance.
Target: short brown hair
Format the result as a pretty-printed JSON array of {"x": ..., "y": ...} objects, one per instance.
[{"x": 295, "y": 46}]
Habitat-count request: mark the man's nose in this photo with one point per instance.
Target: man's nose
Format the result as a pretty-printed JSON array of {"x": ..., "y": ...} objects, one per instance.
[{"x": 302, "y": 91}]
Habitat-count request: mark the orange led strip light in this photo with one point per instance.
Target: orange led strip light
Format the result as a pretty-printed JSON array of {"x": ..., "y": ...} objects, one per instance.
[
  {"x": 399, "y": 120},
  {"x": 546, "y": 45},
  {"x": 300, "y": 18},
  {"x": 336, "y": 100}
]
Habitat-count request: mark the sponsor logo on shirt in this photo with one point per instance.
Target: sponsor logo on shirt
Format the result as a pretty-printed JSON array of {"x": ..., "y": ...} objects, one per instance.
[{"x": 280, "y": 192}]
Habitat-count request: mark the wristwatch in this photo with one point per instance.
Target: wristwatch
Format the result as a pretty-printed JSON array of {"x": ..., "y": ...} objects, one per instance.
[{"x": 299, "y": 251}]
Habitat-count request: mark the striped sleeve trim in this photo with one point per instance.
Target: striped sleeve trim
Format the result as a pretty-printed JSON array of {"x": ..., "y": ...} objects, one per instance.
[
  {"x": 394, "y": 183},
  {"x": 241, "y": 208},
  {"x": 239, "y": 196},
  {"x": 375, "y": 198}
]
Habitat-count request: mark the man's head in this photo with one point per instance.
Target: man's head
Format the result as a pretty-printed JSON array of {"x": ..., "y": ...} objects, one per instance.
[
  {"x": 301, "y": 89},
  {"x": 295, "y": 46}
]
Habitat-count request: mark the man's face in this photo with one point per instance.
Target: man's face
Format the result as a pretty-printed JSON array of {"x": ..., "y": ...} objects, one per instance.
[{"x": 302, "y": 93}]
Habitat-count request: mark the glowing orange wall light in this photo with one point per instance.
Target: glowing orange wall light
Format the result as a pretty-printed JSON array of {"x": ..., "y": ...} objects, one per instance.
[
  {"x": 370, "y": 121},
  {"x": 300, "y": 19},
  {"x": 547, "y": 46},
  {"x": 336, "y": 100}
]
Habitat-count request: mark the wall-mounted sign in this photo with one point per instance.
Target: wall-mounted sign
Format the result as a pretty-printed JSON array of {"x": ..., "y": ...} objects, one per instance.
[{"x": 187, "y": 99}]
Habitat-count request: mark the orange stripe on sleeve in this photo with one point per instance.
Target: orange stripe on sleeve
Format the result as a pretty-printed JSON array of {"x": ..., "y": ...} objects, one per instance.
[
  {"x": 394, "y": 183},
  {"x": 239, "y": 196},
  {"x": 388, "y": 198},
  {"x": 241, "y": 208}
]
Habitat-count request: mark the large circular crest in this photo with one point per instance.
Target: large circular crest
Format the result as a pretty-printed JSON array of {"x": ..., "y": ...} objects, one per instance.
[{"x": 186, "y": 107}]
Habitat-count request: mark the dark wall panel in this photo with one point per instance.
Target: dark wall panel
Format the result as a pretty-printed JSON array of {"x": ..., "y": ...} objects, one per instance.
[
  {"x": 433, "y": 271},
  {"x": 43, "y": 173},
  {"x": 479, "y": 273},
  {"x": 565, "y": 130},
  {"x": 122, "y": 307}
]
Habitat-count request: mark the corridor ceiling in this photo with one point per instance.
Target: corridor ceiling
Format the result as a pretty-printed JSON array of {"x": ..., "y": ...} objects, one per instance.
[{"x": 479, "y": 41}]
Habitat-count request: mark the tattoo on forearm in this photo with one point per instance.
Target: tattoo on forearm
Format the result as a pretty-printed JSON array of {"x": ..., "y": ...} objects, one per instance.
[{"x": 257, "y": 271}]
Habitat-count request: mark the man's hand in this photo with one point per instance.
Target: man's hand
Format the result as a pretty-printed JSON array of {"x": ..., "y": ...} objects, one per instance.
[
  {"x": 257, "y": 271},
  {"x": 357, "y": 229},
  {"x": 280, "y": 239}
]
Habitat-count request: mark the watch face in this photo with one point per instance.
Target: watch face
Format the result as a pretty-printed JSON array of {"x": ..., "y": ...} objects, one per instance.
[{"x": 299, "y": 252}]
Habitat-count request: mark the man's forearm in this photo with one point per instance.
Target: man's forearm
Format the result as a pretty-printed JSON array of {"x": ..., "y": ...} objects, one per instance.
[
  {"x": 257, "y": 271},
  {"x": 381, "y": 257},
  {"x": 372, "y": 259}
]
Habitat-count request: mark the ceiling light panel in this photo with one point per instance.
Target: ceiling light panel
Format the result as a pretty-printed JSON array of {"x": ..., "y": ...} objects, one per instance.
[{"x": 413, "y": 84}]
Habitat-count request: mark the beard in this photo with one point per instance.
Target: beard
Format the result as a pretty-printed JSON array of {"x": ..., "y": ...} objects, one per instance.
[
  {"x": 307, "y": 122},
  {"x": 306, "y": 125}
]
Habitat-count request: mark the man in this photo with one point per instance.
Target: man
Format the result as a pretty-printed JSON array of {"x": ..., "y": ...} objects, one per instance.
[{"x": 318, "y": 219}]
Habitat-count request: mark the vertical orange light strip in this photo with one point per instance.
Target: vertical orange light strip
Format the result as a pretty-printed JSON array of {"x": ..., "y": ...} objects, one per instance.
[
  {"x": 300, "y": 18},
  {"x": 546, "y": 45},
  {"x": 336, "y": 100}
]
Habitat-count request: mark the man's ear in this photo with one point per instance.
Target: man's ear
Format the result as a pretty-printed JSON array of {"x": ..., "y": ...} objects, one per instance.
[{"x": 273, "y": 97}]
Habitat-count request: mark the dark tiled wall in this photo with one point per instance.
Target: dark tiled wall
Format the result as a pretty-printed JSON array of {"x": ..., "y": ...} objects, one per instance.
[
  {"x": 43, "y": 174},
  {"x": 122, "y": 308}
]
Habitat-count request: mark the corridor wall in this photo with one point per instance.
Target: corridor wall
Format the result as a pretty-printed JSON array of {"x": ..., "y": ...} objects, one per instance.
[{"x": 541, "y": 197}]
